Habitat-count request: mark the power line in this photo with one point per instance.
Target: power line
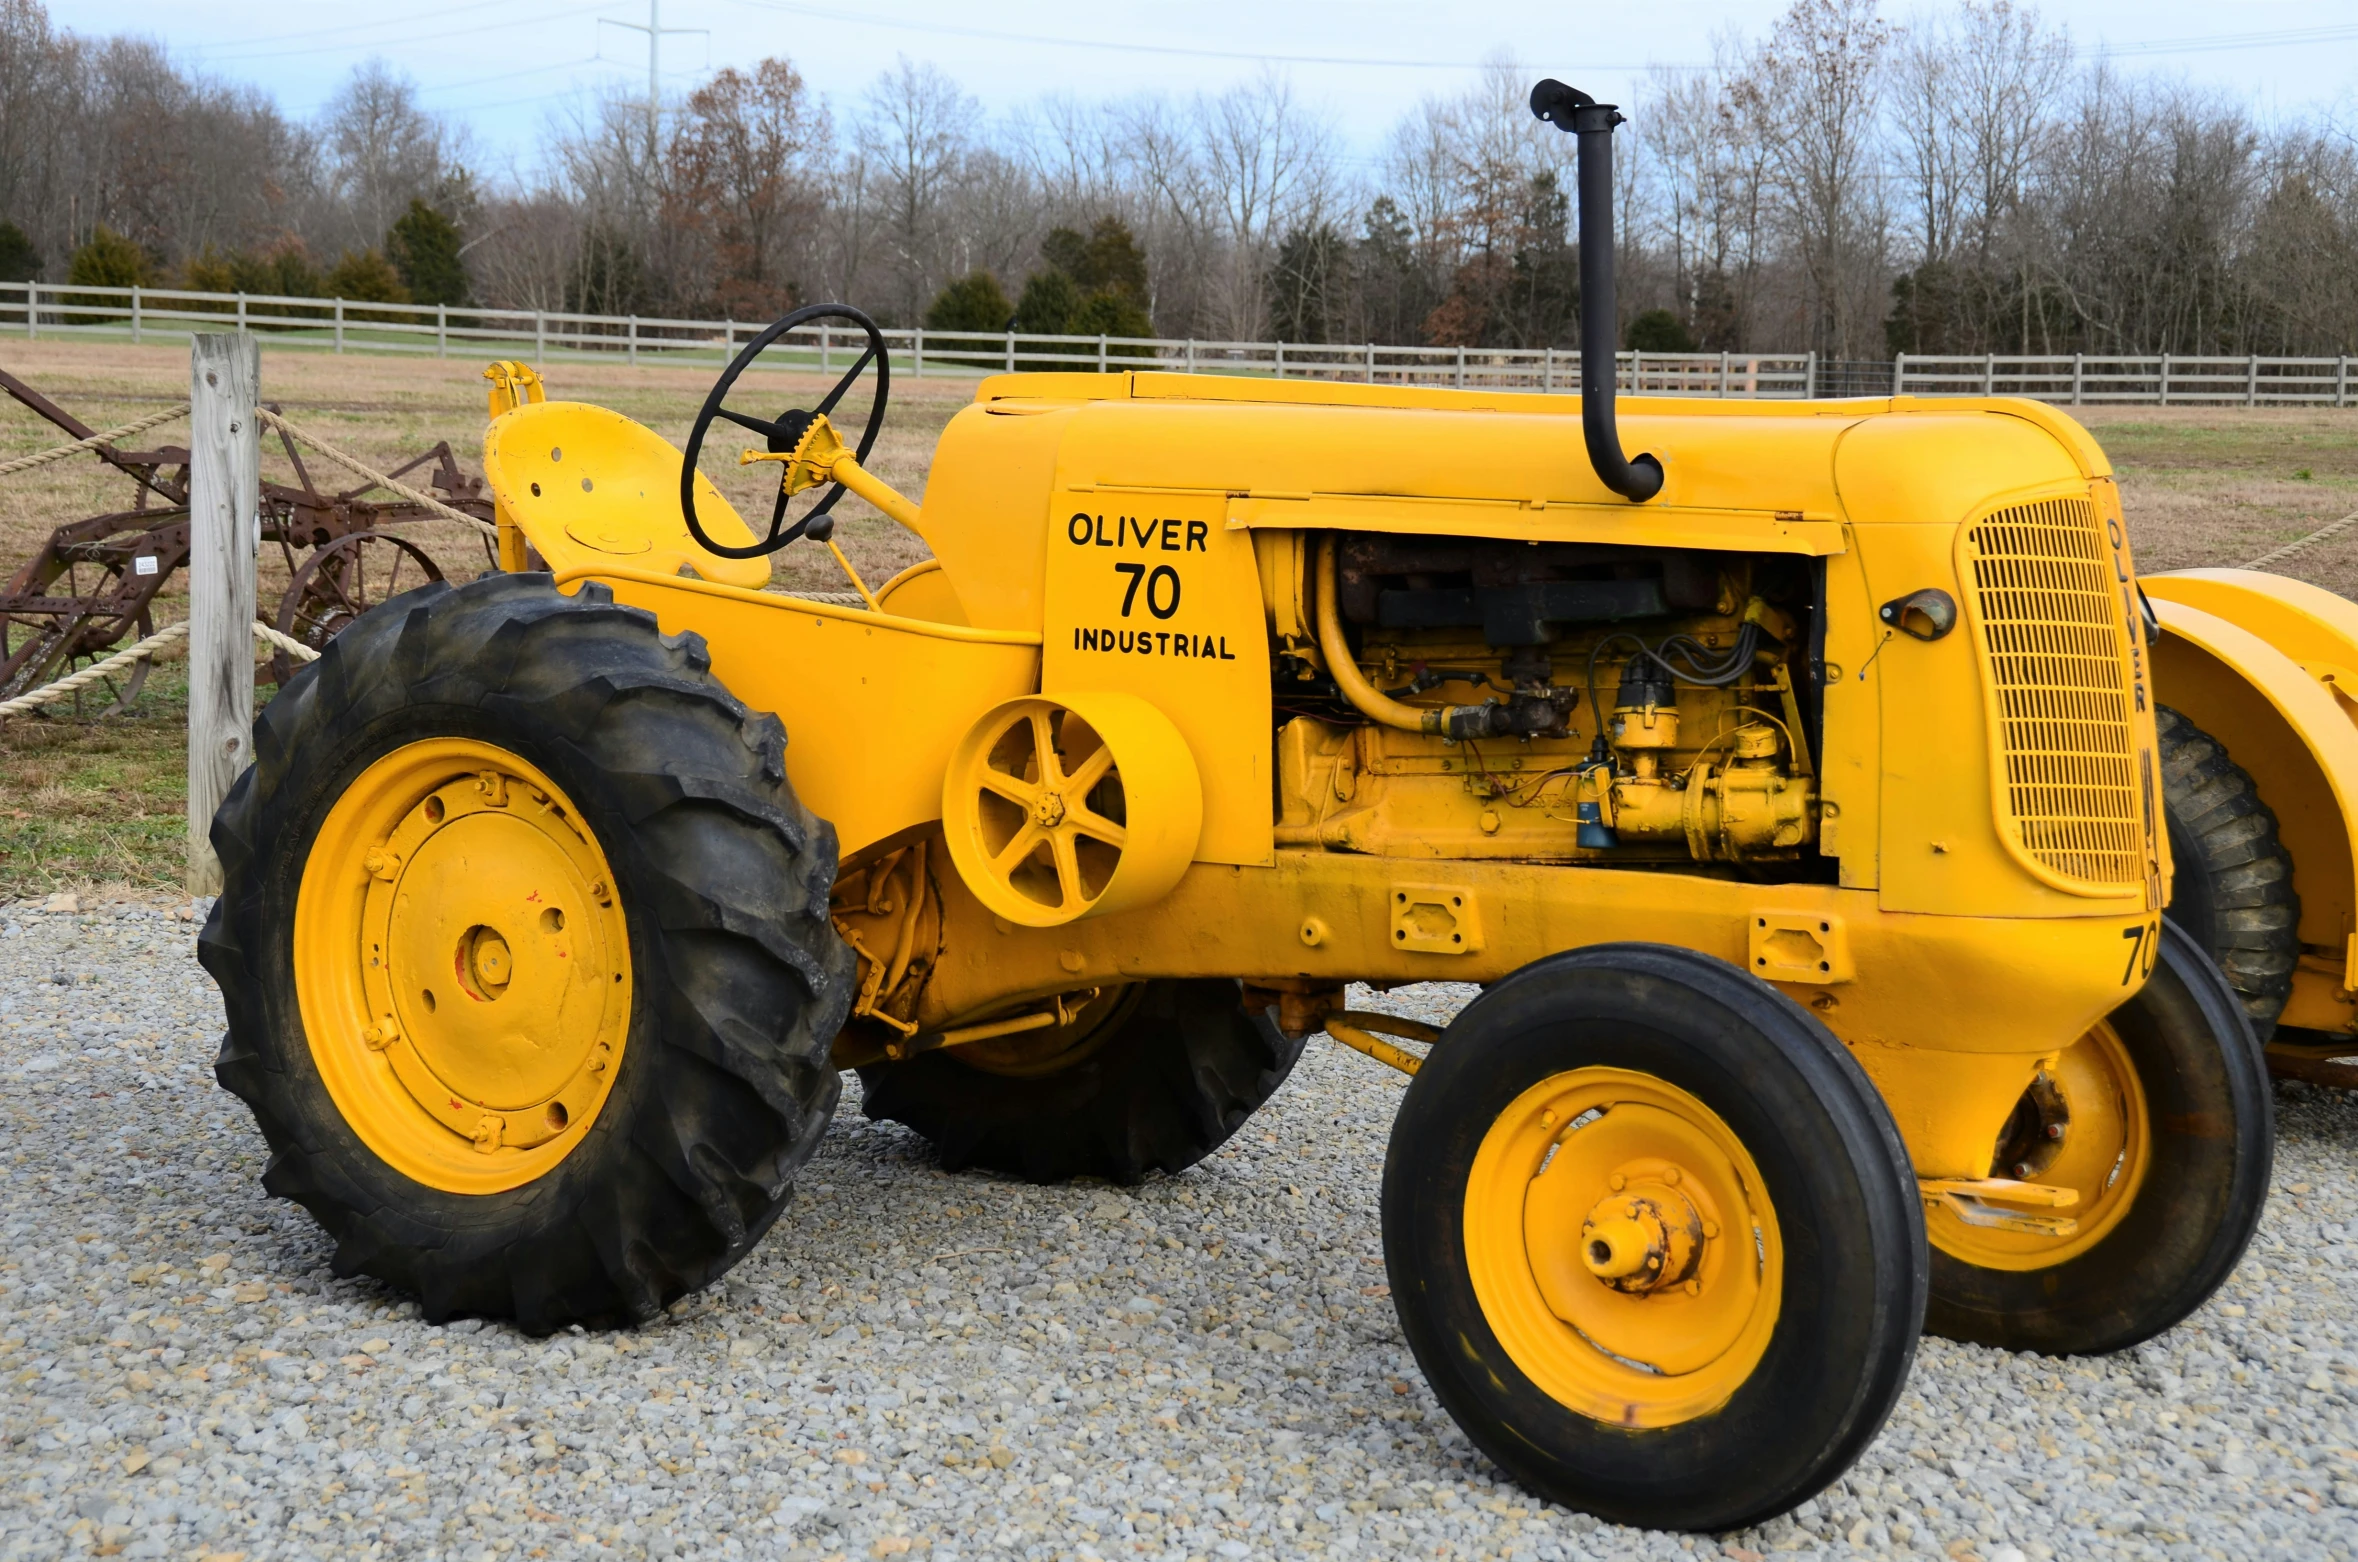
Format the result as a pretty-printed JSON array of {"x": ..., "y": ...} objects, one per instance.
[
  {"x": 2289, "y": 37},
  {"x": 1042, "y": 40},
  {"x": 537, "y": 70},
  {"x": 350, "y": 27},
  {"x": 456, "y": 32}
]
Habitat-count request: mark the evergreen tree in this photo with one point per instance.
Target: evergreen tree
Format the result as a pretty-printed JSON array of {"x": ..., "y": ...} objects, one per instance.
[
  {"x": 1659, "y": 331},
  {"x": 424, "y": 247},
  {"x": 975, "y": 302},
  {"x": 1050, "y": 301},
  {"x": 1307, "y": 285},
  {"x": 110, "y": 260},
  {"x": 366, "y": 277},
  {"x": 19, "y": 261}
]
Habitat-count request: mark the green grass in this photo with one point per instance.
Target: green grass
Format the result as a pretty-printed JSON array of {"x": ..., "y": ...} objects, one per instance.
[{"x": 87, "y": 800}]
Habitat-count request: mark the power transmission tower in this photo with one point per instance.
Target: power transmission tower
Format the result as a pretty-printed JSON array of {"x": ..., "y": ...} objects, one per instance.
[{"x": 654, "y": 29}]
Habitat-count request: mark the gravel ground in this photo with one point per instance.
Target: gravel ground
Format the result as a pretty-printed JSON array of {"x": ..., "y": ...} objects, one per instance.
[{"x": 929, "y": 1366}]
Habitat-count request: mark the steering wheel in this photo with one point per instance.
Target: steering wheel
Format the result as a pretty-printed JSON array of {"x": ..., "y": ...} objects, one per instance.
[{"x": 786, "y": 431}]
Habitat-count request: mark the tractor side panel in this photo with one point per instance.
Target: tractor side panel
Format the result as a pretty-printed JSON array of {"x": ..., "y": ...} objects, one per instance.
[
  {"x": 872, "y": 703},
  {"x": 2290, "y": 727},
  {"x": 1151, "y": 594},
  {"x": 984, "y": 509}
]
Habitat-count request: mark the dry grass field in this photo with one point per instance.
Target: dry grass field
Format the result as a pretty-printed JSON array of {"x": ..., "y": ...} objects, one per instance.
[{"x": 84, "y": 802}]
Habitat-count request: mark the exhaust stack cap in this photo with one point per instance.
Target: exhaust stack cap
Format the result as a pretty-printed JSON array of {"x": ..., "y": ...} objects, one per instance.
[{"x": 1576, "y": 113}]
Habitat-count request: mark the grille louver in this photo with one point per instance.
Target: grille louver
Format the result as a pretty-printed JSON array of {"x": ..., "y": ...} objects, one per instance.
[{"x": 2054, "y": 645}]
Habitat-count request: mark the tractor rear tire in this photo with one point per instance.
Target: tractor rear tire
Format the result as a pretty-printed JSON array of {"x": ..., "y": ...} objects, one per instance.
[
  {"x": 2169, "y": 1137},
  {"x": 599, "y": 760},
  {"x": 1169, "y": 1072},
  {"x": 1703, "y": 1381},
  {"x": 2233, "y": 885}
]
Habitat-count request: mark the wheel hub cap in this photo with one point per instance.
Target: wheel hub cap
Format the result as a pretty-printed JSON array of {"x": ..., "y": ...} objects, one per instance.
[
  {"x": 463, "y": 965},
  {"x": 1622, "y": 1247},
  {"x": 1643, "y": 1241}
]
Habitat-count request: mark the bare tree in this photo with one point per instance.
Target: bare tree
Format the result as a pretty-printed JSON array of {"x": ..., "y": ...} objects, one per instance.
[
  {"x": 915, "y": 135},
  {"x": 384, "y": 151},
  {"x": 1268, "y": 167},
  {"x": 1975, "y": 96},
  {"x": 749, "y": 156},
  {"x": 1817, "y": 86}
]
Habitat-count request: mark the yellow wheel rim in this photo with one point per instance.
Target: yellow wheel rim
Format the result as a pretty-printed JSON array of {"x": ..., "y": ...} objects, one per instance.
[
  {"x": 1060, "y": 808},
  {"x": 462, "y": 966},
  {"x": 2082, "y": 1125},
  {"x": 1623, "y": 1248}
]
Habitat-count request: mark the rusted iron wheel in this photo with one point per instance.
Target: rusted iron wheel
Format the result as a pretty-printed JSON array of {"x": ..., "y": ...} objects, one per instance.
[
  {"x": 343, "y": 580},
  {"x": 40, "y": 648}
]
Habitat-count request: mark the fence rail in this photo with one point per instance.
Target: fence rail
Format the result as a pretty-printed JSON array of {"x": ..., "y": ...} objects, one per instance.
[
  {"x": 2154, "y": 379},
  {"x": 39, "y": 309}
]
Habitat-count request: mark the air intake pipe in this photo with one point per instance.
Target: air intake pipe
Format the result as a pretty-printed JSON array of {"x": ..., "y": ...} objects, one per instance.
[{"x": 1568, "y": 108}]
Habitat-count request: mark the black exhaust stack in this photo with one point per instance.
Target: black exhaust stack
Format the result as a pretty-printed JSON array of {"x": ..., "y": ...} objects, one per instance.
[{"x": 1568, "y": 108}]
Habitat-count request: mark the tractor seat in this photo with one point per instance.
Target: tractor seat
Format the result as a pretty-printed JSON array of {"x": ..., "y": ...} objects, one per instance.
[{"x": 591, "y": 489}]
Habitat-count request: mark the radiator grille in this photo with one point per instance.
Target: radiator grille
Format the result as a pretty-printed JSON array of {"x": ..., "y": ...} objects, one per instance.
[{"x": 2052, "y": 634}]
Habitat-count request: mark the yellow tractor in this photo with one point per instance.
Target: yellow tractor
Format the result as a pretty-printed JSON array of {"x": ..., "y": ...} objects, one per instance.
[{"x": 1791, "y": 789}]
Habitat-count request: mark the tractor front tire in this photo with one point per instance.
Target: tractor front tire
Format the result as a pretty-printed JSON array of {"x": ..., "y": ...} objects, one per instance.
[
  {"x": 1654, "y": 1238},
  {"x": 525, "y": 950},
  {"x": 1155, "y": 1082},
  {"x": 2232, "y": 888},
  {"x": 2167, "y": 1133}
]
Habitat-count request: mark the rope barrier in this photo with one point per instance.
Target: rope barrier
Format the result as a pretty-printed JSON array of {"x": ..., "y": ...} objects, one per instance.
[
  {"x": 359, "y": 468},
  {"x": 2329, "y": 529},
  {"x": 153, "y": 646},
  {"x": 136, "y": 426}
]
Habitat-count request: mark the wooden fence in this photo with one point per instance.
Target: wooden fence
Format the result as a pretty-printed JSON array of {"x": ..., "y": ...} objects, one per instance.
[
  {"x": 38, "y": 309},
  {"x": 42, "y": 309},
  {"x": 2157, "y": 379}
]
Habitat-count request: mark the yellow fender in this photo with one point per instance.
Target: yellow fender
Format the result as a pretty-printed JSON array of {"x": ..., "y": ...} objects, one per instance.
[{"x": 2269, "y": 667}]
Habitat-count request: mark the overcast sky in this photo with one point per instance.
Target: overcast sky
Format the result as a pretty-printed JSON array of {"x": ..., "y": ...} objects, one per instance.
[{"x": 503, "y": 69}]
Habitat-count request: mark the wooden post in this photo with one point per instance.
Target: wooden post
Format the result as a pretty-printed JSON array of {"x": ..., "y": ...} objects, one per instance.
[{"x": 224, "y": 533}]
